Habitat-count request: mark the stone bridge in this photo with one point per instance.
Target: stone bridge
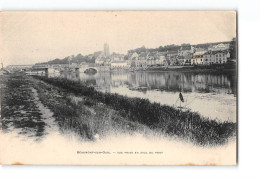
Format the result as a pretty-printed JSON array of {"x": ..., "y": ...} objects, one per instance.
[
  {"x": 84, "y": 68},
  {"x": 58, "y": 68}
]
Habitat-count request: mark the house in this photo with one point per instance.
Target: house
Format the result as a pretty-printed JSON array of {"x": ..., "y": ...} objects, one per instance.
[
  {"x": 199, "y": 51},
  {"x": 186, "y": 49},
  {"x": 142, "y": 59},
  {"x": 222, "y": 56},
  {"x": 219, "y": 47},
  {"x": 172, "y": 57},
  {"x": 117, "y": 57},
  {"x": 181, "y": 60},
  {"x": 197, "y": 59},
  {"x": 119, "y": 65},
  {"x": 160, "y": 59},
  {"x": 133, "y": 62},
  {"x": 100, "y": 61},
  {"x": 209, "y": 58},
  {"x": 151, "y": 58},
  {"x": 187, "y": 59},
  {"x": 133, "y": 55},
  {"x": 216, "y": 57}
]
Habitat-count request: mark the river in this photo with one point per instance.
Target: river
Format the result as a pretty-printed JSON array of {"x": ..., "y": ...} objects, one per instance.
[{"x": 212, "y": 95}]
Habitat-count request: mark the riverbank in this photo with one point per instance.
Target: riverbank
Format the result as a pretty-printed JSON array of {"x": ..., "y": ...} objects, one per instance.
[
  {"x": 21, "y": 110},
  {"x": 80, "y": 120},
  {"x": 92, "y": 115},
  {"x": 214, "y": 68},
  {"x": 27, "y": 101},
  {"x": 185, "y": 125}
]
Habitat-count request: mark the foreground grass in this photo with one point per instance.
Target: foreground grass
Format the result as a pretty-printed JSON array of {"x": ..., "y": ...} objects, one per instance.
[
  {"x": 185, "y": 125},
  {"x": 18, "y": 107},
  {"x": 80, "y": 115}
]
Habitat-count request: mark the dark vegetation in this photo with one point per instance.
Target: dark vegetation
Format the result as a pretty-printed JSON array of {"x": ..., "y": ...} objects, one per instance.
[
  {"x": 18, "y": 108},
  {"x": 186, "y": 125},
  {"x": 74, "y": 59}
]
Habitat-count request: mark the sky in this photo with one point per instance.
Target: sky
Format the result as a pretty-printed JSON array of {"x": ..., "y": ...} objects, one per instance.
[{"x": 32, "y": 37}]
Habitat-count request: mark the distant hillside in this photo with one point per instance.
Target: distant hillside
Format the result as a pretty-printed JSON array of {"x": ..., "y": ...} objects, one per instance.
[
  {"x": 174, "y": 47},
  {"x": 91, "y": 58},
  {"x": 74, "y": 59}
]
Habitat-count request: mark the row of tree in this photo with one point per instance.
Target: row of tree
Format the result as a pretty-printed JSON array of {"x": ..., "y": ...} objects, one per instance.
[{"x": 73, "y": 59}]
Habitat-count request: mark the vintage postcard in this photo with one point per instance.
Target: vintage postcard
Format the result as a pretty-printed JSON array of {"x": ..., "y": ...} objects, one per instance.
[{"x": 118, "y": 88}]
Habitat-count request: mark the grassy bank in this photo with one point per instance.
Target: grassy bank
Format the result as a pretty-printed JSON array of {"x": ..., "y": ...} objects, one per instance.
[
  {"x": 174, "y": 122},
  {"x": 18, "y": 107},
  {"x": 82, "y": 116},
  {"x": 72, "y": 113}
]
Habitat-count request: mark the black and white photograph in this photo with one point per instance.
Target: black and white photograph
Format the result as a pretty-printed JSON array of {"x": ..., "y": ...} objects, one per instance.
[{"x": 119, "y": 88}]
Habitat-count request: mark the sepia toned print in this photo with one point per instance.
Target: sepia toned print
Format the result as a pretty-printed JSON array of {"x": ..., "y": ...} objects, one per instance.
[{"x": 118, "y": 88}]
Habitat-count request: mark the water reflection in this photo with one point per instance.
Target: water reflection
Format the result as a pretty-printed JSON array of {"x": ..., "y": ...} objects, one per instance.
[
  {"x": 164, "y": 81},
  {"x": 212, "y": 95}
]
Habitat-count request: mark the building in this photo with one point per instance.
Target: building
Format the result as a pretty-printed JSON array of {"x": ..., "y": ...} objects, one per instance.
[
  {"x": 181, "y": 60},
  {"x": 197, "y": 59},
  {"x": 216, "y": 57},
  {"x": 120, "y": 65},
  {"x": 160, "y": 59},
  {"x": 199, "y": 51},
  {"x": 172, "y": 57},
  {"x": 222, "y": 56},
  {"x": 100, "y": 61},
  {"x": 209, "y": 58},
  {"x": 142, "y": 59},
  {"x": 133, "y": 55},
  {"x": 151, "y": 58},
  {"x": 219, "y": 47},
  {"x": 106, "y": 50},
  {"x": 186, "y": 49},
  {"x": 187, "y": 59},
  {"x": 117, "y": 57}
]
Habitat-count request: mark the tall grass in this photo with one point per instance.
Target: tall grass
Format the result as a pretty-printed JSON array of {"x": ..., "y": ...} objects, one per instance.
[{"x": 183, "y": 124}]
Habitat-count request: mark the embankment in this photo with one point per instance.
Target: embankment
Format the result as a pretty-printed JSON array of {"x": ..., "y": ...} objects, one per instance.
[{"x": 82, "y": 115}]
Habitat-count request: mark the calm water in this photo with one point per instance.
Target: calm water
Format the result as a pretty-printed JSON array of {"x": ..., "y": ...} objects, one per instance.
[{"x": 212, "y": 95}]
